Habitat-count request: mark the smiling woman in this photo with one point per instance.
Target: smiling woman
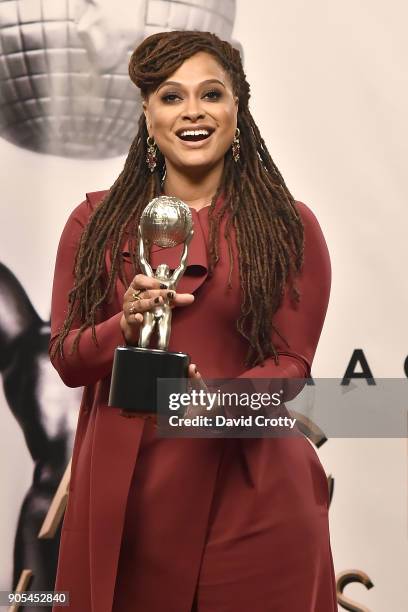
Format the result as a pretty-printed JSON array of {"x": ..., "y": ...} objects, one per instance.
[
  {"x": 193, "y": 118},
  {"x": 184, "y": 524}
]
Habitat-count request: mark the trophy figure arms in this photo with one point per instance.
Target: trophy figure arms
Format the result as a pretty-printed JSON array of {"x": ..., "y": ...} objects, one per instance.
[
  {"x": 181, "y": 268},
  {"x": 144, "y": 264}
]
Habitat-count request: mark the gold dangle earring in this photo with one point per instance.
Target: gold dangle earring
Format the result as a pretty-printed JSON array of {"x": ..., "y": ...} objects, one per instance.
[
  {"x": 151, "y": 157},
  {"x": 236, "y": 145}
]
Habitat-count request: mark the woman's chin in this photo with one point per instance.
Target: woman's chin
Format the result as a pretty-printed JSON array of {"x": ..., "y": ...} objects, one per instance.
[{"x": 196, "y": 163}]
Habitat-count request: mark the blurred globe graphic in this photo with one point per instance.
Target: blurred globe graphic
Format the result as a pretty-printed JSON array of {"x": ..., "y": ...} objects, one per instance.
[{"x": 64, "y": 84}]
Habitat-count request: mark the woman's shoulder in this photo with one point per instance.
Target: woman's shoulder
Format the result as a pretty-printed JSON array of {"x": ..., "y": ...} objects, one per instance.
[
  {"x": 305, "y": 212},
  {"x": 310, "y": 223},
  {"x": 315, "y": 242},
  {"x": 94, "y": 197},
  {"x": 81, "y": 213}
]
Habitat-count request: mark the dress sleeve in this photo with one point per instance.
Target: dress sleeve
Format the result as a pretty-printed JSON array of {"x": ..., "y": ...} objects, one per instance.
[
  {"x": 300, "y": 324},
  {"x": 89, "y": 363}
]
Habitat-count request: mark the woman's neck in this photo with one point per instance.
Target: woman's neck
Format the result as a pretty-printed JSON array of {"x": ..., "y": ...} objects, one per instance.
[{"x": 195, "y": 189}]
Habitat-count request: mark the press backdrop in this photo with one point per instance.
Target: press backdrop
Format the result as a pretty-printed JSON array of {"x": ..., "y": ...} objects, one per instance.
[{"x": 329, "y": 94}]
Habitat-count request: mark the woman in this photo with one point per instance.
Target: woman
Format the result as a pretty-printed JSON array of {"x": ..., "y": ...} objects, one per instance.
[{"x": 215, "y": 525}]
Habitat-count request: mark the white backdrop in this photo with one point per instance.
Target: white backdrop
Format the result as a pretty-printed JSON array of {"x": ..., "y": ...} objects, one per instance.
[{"x": 329, "y": 94}]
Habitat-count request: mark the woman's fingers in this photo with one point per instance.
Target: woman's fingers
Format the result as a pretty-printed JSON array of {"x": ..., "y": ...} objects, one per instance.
[
  {"x": 193, "y": 371},
  {"x": 134, "y": 318},
  {"x": 147, "y": 299},
  {"x": 145, "y": 287},
  {"x": 143, "y": 305},
  {"x": 141, "y": 281},
  {"x": 197, "y": 383},
  {"x": 183, "y": 299},
  {"x": 149, "y": 293},
  {"x": 196, "y": 379}
]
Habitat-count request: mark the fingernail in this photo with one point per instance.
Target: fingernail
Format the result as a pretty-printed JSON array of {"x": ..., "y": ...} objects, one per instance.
[
  {"x": 156, "y": 300},
  {"x": 170, "y": 295},
  {"x": 163, "y": 286}
]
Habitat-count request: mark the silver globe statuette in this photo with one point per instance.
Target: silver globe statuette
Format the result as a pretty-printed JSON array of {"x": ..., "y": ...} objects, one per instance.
[{"x": 166, "y": 222}]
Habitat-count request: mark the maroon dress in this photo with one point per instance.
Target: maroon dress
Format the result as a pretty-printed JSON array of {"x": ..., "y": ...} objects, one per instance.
[{"x": 215, "y": 525}]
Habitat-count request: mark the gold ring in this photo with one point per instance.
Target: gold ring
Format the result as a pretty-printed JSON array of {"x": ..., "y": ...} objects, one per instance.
[{"x": 135, "y": 294}]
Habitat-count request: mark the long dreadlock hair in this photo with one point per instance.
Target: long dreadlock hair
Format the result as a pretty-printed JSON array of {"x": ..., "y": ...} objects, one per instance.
[{"x": 259, "y": 206}]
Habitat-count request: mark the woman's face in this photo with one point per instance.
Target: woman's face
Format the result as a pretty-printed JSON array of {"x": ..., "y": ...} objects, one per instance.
[{"x": 192, "y": 115}]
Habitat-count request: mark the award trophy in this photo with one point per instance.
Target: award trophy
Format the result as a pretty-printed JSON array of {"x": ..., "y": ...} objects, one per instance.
[{"x": 166, "y": 221}]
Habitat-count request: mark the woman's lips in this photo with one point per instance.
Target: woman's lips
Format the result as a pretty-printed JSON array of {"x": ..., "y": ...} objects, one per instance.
[{"x": 195, "y": 141}]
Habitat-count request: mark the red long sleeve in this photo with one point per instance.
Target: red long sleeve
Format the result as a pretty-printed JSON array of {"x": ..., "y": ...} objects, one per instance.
[{"x": 90, "y": 363}]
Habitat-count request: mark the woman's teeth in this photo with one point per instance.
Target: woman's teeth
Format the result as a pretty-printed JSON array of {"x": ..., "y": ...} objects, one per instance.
[{"x": 194, "y": 134}]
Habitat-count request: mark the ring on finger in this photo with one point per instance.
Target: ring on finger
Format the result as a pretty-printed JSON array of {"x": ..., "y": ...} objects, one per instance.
[{"x": 136, "y": 294}]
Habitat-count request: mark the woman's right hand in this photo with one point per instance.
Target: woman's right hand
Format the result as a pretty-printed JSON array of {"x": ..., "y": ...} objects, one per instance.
[{"x": 151, "y": 293}]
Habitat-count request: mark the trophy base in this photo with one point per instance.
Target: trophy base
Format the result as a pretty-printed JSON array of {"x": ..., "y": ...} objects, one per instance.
[{"x": 134, "y": 377}]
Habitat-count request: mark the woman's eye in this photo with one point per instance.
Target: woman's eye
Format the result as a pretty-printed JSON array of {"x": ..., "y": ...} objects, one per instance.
[
  {"x": 171, "y": 97},
  {"x": 213, "y": 94}
]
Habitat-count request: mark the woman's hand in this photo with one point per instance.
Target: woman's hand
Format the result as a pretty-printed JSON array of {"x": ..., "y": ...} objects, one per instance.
[
  {"x": 145, "y": 293},
  {"x": 191, "y": 410}
]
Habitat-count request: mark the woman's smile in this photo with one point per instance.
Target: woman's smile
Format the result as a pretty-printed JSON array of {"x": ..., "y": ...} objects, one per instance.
[{"x": 195, "y": 136}]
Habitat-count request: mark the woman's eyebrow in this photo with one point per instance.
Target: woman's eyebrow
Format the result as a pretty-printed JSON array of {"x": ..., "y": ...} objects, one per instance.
[{"x": 206, "y": 82}]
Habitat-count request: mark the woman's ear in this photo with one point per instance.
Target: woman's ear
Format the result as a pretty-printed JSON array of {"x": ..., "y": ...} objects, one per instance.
[
  {"x": 147, "y": 116},
  {"x": 236, "y": 100}
]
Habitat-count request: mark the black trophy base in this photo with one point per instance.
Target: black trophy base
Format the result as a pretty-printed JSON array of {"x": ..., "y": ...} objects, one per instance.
[{"x": 134, "y": 377}]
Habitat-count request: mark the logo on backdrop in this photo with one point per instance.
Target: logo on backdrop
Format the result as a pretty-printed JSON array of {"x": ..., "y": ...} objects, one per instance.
[{"x": 64, "y": 68}]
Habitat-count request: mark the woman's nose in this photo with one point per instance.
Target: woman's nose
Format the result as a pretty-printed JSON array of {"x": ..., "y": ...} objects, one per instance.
[{"x": 193, "y": 110}]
